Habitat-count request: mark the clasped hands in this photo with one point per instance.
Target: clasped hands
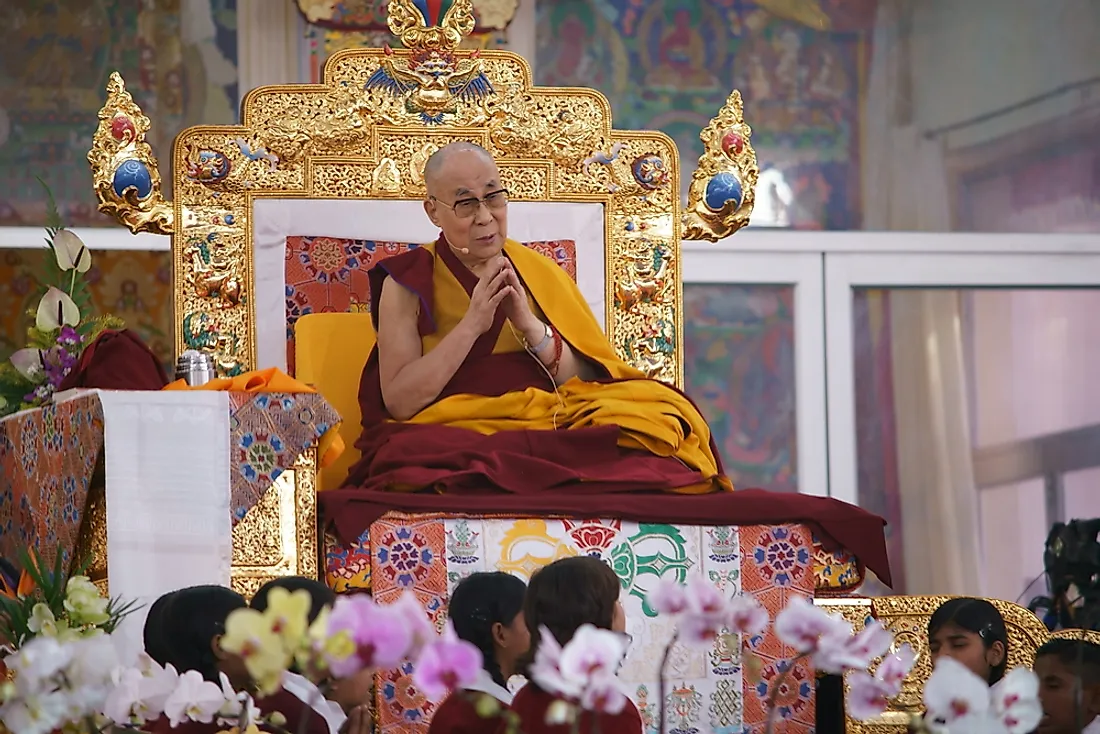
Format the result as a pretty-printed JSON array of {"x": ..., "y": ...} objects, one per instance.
[{"x": 500, "y": 286}]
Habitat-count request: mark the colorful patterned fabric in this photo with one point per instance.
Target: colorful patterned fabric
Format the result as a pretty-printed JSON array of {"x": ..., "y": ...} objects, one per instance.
[
  {"x": 47, "y": 457},
  {"x": 268, "y": 432},
  {"x": 723, "y": 690},
  {"x": 329, "y": 274}
]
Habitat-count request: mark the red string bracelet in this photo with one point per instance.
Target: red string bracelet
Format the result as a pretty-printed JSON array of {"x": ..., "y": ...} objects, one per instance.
[{"x": 556, "y": 362}]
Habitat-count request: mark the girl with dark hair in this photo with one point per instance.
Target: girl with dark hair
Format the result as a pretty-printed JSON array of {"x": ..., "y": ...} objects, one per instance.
[
  {"x": 561, "y": 598},
  {"x": 184, "y": 629},
  {"x": 346, "y": 705},
  {"x": 972, "y": 632},
  {"x": 486, "y": 610}
]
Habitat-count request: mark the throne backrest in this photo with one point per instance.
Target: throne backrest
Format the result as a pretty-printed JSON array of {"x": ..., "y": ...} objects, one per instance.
[{"x": 345, "y": 160}]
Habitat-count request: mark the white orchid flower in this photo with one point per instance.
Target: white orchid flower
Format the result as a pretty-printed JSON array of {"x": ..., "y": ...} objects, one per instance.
[
  {"x": 55, "y": 310},
  {"x": 29, "y": 363},
  {"x": 71, "y": 252}
]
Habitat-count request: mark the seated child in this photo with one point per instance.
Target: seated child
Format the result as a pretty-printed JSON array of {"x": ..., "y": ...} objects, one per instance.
[
  {"x": 185, "y": 631},
  {"x": 1069, "y": 687},
  {"x": 972, "y": 632},
  {"x": 562, "y": 597},
  {"x": 346, "y": 698},
  {"x": 486, "y": 610}
]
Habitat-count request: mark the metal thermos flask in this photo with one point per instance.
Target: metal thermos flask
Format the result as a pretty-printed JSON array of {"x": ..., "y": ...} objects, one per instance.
[{"x": 197, "y": 368}]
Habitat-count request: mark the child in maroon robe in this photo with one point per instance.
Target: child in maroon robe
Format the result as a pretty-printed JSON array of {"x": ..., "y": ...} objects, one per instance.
[
  {"x": 562, "y": 597},
  {"x": 184, "y": 629},
  {"x": 487, "y": 611},
  {"x": 346, "y": 703}
]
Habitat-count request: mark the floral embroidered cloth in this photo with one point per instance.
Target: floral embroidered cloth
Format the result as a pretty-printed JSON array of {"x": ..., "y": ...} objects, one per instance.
[
  {"x": 48, "y": 457},
  {"x": 269, "y": 431}
]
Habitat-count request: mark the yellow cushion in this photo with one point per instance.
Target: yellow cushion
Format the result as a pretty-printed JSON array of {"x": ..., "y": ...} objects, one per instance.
[{"x": 330, "y": 350}]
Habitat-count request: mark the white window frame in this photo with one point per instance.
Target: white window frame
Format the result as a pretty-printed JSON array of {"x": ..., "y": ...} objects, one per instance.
[
  {"x": 927, "y": 260},
  {"x": 728, "y": 263}
]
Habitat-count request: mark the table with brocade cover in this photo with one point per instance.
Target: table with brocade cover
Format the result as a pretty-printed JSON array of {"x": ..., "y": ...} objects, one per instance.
[{"x": 168, "y": 473}]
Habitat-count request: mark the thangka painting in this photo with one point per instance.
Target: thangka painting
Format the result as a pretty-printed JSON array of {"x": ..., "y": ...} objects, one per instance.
[
  {"x": 179, "y": 60},
  {"x": 722, "y": 691},
  {"x": 668, "y": 64},
  {"x": 133, "y": 285},
  {"x": 739, "y": 369}
]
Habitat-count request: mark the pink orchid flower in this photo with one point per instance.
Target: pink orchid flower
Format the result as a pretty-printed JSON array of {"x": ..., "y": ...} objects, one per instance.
[
  {"x": 381, "y": 634},
  {"x": 446, "y": 664}
]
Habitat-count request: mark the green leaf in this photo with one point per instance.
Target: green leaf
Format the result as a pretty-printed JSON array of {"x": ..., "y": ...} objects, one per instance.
[{"x": 53, "y": 216}]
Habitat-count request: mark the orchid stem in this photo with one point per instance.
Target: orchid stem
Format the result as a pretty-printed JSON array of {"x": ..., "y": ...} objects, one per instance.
[
  {"x": 773, "y": 693},
  {"x": 72, "y": 283},
  {"x": 661, "y": 682}
]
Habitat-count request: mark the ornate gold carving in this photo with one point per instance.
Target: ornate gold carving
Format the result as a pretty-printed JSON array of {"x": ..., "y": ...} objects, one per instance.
[
  {"x": 91, "y": 543},
  {"x": 417, "y": 162},
  {"x": 278, "y": 536},
  {"x": 432, "y": 83},
  {"x": 386, "y": 178},
  {"x": 723, "y": 186},
  {"x": 409, "y": 24},
  {"x": 1077, "y": 634},
  {"x": 124, "y": 169}
]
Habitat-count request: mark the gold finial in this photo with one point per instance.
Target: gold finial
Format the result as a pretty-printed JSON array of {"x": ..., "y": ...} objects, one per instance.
[
  {"x": 438, "y": 25},
  {"x": 723, "y": 186},
  {"x": 124, "y": 169}
]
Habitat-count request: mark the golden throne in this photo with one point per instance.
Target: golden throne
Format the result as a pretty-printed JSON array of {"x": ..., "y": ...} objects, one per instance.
[{"x": 275, "y": 221}]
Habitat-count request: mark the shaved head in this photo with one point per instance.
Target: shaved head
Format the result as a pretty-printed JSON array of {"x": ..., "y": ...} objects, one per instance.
[
  {"x": 466, "y": 199},
  {"x": 439, "y": 160}
]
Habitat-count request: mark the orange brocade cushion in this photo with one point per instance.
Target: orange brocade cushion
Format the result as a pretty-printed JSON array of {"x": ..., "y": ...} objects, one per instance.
[{"x": 329, "y": 274}]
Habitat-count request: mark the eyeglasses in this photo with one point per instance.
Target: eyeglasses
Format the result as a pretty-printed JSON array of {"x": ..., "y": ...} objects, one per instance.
[{"x": 468, "y": 208}]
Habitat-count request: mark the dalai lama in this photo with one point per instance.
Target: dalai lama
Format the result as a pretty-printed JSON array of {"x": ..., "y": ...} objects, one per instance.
[{"x": 491, "y": 374}]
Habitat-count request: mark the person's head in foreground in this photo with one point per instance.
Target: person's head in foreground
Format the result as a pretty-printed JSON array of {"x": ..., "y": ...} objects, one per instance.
[
  {"x": 185, "y": 629},
  {"x": 1069, "y": 685},
  {"x": 351, "y": 692},
  {"x": 466, "y": 200},
  {"x": 486, "y": 610},
  {"x": 569, "y": 593},
  {"x": 972, "y": 632},
  {"x": 562, "y": 597}
]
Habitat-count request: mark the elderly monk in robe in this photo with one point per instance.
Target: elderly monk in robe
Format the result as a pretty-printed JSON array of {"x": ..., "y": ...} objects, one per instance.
[{"x": 491, "y": 374}]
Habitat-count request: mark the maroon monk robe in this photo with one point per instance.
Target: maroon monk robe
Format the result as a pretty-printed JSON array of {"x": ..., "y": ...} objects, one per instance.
[
  {"x": 457, "y": 715},
  {"x": 399, "y": 455},
  {"x": 286, "y": 703},
  {"x": 531, "y": 704}
]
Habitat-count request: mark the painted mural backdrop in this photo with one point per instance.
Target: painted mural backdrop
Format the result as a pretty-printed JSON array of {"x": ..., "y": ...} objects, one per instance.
[
  {"x": 669, "y": 65},
  {"x": 739, "y": 369},
  {"x": 134, "y": 285},
  {"x": 179, "y": 59}
]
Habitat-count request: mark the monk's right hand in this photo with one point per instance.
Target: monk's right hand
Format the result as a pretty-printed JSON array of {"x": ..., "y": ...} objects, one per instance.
[{"x": 490, "y": 290}]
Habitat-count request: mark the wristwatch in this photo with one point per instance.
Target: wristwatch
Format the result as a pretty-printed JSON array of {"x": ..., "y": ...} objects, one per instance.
[{"x": 542, "y": 345}]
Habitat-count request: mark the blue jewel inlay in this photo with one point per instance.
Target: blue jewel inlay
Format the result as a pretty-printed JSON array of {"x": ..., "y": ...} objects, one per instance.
[
  {"x": 132, "y": 174},
  {"x": 723, "y": 188}
]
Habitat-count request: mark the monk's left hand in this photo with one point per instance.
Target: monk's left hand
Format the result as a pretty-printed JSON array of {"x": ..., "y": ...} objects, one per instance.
[{"x": 516, "y": 307}]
